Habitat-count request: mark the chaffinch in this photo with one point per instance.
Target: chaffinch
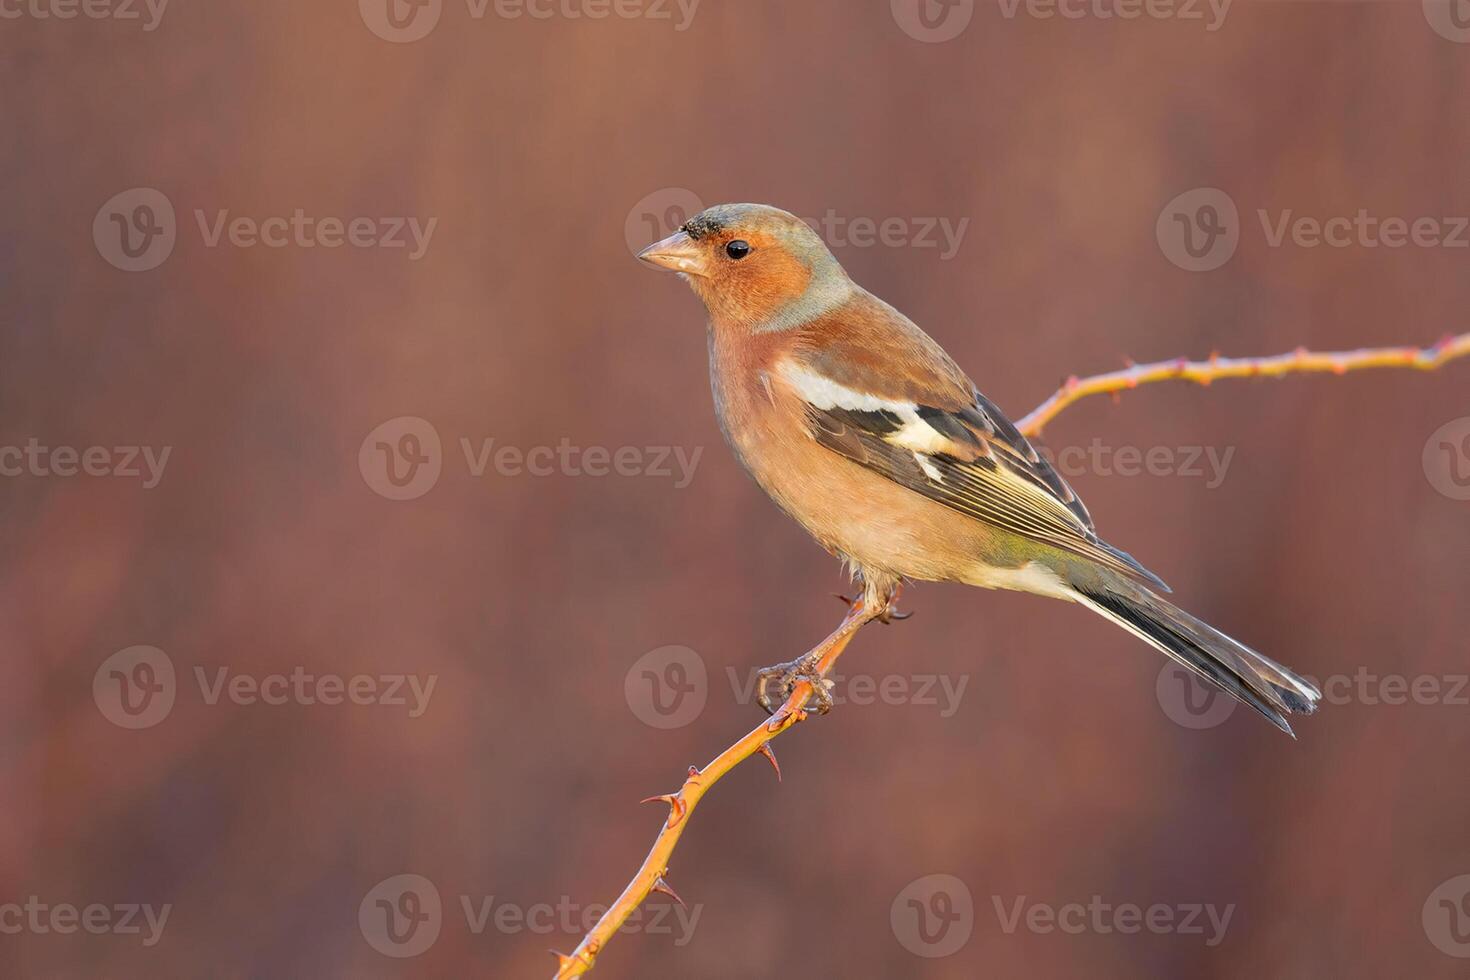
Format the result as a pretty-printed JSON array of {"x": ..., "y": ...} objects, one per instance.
[{"x": 866, "y": 432}]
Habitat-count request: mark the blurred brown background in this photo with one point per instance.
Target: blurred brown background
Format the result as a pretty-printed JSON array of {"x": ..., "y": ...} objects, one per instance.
[{"x": 545, "y": 149}]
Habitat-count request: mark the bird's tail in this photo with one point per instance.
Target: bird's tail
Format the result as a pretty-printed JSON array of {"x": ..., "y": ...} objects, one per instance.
[{"x": 1238, "y": 670}]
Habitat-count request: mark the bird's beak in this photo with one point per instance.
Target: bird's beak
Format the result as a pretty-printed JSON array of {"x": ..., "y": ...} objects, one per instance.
[{"x": 677, "y": 252}]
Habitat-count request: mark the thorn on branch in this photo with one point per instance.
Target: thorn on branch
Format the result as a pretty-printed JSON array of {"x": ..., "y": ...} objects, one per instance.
[
  {"x": 563, "y": 960},
  {"x": 765, "y": 750},
  {"x": 677, "y": 807},
  {"x": 778, "y": 720},
  {"x": 662, "y": 886}
]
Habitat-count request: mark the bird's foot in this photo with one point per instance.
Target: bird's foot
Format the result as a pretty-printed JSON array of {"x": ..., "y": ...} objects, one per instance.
[{"x": 786, "y": 676}]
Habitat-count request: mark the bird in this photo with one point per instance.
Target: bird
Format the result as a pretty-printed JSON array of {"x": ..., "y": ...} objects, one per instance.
[{"x": 862, "y": 429}]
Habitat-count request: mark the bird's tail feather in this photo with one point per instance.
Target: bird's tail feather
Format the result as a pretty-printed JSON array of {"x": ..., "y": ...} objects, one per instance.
[{"x": 1238, "y": 670}]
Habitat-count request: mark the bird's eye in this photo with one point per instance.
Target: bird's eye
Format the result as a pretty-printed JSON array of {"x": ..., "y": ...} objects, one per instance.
[{"x": 737, "y": 249}]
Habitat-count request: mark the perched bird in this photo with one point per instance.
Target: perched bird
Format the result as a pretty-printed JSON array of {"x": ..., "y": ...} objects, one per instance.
[{"x": 867, "y": 433}]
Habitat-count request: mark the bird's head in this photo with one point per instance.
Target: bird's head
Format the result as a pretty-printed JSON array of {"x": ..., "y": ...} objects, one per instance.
[{"x": 753, "y": 265}]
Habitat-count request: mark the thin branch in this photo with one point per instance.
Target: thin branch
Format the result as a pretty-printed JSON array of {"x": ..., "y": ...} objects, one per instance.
[
  {"x": 651, "y": 875},
  {"x": 655, "y": 868},
  {"x": 1299, "y": 361}
]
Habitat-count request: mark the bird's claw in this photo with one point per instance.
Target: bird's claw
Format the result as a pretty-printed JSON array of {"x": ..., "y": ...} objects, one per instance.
[
  {"x": 787, "y": 676},
  {"x": 891, "y": 615}
]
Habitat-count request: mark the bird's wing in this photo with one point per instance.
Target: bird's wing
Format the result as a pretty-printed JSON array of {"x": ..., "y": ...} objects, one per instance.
[{"x": 930, "y": 430}]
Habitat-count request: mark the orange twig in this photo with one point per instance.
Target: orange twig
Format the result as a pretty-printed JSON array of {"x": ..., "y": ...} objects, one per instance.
[
  {"x": 655, "y": 868},
  {"x": 1203, "y": 372}
]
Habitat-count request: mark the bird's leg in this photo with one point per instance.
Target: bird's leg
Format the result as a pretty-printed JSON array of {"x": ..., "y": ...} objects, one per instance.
[
  {"x": 890, "y": 613},
  {"x": 813, "y": 665}
]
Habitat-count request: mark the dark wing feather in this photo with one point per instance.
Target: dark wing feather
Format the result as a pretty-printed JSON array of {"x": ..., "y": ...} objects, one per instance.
[{"x": 987, "y": 470}]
